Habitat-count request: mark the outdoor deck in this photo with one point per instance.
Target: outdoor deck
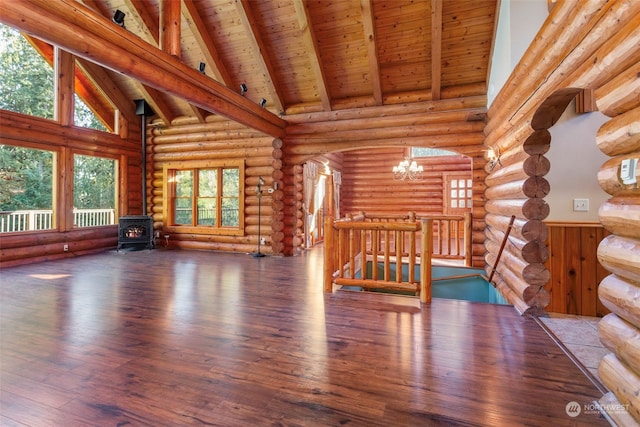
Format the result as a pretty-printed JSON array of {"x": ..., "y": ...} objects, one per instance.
[{"x": 170, "y": 338}]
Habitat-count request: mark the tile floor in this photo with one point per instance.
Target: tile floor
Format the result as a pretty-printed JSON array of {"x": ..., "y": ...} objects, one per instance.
[{"x": 579, "y": 334}]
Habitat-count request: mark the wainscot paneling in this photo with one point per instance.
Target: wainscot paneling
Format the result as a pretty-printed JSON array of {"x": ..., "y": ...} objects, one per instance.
[{"x": 574, "y": 267}]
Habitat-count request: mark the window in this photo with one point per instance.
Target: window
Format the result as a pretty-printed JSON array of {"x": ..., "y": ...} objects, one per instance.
[
  {"x": 430, "y": 152},
  {"x": 94, "y": 190},
  {"x": 206, "y": 197},
  {"x": 459, "y": 194},
  {"x": 26, "y": 189}
]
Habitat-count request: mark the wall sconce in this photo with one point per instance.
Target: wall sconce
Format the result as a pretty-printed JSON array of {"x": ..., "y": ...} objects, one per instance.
[
  {"x": 494, "y": 158},
  {"x": 263, "y": 102},
  {"x": 243, "y": 89},
  {"x": 118, "y": 17},
  {"x": 201, "y": 67}
]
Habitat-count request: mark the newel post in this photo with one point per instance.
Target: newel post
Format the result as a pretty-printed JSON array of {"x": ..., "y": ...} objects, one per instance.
[
  {"x": 329, "y": 240},
  {"x": 426, "y": 248}
]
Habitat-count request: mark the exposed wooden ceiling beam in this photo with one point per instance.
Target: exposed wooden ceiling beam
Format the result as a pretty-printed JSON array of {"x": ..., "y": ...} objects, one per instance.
[
  {"x": 374, "y": 63},
  {"x": 85, "y": 33},
  {"x": 311, "y": 46},
  {"x": 148, "y": 24},
  {"x": 206, "y": 43},
  {"x": 260, "y": 52},
  {"x": 158, "y": 102},
  {"x": 110, "y": 89},
  {"x": 436, "y": 49}
]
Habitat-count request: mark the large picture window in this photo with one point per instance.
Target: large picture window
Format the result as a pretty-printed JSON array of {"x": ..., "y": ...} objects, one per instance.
[
  {"x": 26, "y": 189},
  {"x": 94, "y": 190},
  {"x": 206, "y": 197}
]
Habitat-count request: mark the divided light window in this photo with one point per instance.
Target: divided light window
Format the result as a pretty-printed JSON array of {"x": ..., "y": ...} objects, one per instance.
[{"x": 206, "y": 197}]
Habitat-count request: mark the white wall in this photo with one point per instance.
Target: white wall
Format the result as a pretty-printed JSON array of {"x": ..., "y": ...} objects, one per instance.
[
  {"x": 574, "y": 156},
  {"x": 575, "y": 161}
]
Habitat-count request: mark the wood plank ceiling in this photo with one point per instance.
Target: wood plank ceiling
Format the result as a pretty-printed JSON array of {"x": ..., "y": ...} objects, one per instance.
[{"x": 306, "y": 56}]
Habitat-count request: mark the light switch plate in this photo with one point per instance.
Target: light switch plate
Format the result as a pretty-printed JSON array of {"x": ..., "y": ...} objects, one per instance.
[{"x": 581, "y": 205}]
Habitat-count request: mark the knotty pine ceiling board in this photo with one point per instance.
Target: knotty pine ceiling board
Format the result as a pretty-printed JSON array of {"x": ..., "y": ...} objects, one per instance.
[{"x": 283, "y": 37}]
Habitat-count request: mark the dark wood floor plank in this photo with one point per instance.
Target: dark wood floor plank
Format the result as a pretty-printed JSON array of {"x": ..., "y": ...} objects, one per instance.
[{"x": 161, "y": 337}]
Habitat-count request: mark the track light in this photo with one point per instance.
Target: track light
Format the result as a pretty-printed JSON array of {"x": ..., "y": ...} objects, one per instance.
[
  {"x": 201, "y": 67},
  {"x": 263, "y": 102},
  {"x": 118, "y": 17},
  {"x": 243, "y": 89}
]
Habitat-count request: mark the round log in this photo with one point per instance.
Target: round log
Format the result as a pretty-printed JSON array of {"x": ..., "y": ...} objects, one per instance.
[
  {"x": 621, "y": 216},
  {"x": 621, "y": 297},
  {"x": 622, "y": 381},
  {"x": 621, "y": 134},
  {"x": 531, "y": 187},
  {"x": 620, "y": 94},
  {"x": 521, "y": 208},
  {"x": 536, "y": 296},
  {"x": 621, "y": 256},
  {"x": 609, "y": 177},
  {"x": 622, "y": 338},
  {"x": 536, "y": 274}
]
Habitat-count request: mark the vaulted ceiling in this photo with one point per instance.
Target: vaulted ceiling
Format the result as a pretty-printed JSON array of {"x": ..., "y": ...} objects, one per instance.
[{"x": 300, "y": 56}]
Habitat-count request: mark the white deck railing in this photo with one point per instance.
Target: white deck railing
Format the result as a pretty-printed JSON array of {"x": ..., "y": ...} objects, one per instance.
[{"x": 33, "y": 220}]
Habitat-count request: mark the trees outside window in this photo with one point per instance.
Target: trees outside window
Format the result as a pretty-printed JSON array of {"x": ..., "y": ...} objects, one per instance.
[
  {"x": 26, "y": 189},
  {"x": 206, "y": 197},
  {"x": 94, "y": 190}
]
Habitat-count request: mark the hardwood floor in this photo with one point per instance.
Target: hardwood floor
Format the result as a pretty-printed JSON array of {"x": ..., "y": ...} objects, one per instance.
[{"x": 173, "y": 338}]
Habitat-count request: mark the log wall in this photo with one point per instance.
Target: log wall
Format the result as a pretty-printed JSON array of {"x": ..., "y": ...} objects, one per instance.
[
  {"x": 368, "y": 185},
  {"x": 574, "y": 270},
  {"x": 222, "y": 140},
  {"x": 34, "y": 132},
  {"x": 452, "y": 124},
  {"x": 596, "y": 47}
]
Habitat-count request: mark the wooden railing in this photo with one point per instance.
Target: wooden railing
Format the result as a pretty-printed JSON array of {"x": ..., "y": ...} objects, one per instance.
[
  {"x": 451, "y": 233},
  {"x": 34, "y": 220},
  {"x": 353, "y": 248}
]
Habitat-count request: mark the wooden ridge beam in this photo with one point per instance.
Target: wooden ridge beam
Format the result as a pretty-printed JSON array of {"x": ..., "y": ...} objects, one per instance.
[
  {"x": 372, "y": 51},
  {"x": 87, "y": 34}
]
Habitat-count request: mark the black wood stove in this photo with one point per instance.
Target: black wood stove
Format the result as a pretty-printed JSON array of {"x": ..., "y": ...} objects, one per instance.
[{"x": 135, "y": 230}]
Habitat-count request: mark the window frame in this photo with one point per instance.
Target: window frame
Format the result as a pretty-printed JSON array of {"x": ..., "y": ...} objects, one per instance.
[
  {"x": 168, "y": 197},
  {"x": 117, "y": 170}
]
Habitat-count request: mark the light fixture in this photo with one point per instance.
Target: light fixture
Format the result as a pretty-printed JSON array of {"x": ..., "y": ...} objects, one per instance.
[
  {"x": 118, "y": 17},
  {"x": 494, "y": 158},
  {"x": 263, "y": 102},
  {"x": 259, "y": 254},
  {"x": 201, "y": 67},
  {"x": 407, "y": 169},
  {"x": 243, "y": 89}
]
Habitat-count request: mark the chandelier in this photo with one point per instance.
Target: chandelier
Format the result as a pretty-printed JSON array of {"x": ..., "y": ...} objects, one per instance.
[{"x": 407, "y": 170}]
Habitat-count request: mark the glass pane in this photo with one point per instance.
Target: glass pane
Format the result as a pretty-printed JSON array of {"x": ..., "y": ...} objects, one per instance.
[
  {"x": 469, "y": 183},
  {"x": 231, "y": 183},
  {"x": 454, "y": 183},
  {"x": 207, "y": 182},
  {"x": 454, "y": 194},
  {"x": 94, "y": 191},
  {"x": 468, "y": 193},
  {"x": 461, "y": 183},
  {"x": 26, "y": 189},
  {"x": 454, "y": 203},
  {"x": 207, "y": 211},
  {"x": 182, "y": 214},
  {"x": 184, "y": 183},
  {"x": 461, "y": 194},
  {"x": 230, "y": 212},
  {"x": 462, "y": 203}
]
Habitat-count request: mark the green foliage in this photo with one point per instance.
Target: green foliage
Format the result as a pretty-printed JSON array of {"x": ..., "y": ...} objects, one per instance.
[
  {"x": 94, "y": 182},
  {"x": 26, "y": 80},
  {"x": 26, "y": 178}
]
